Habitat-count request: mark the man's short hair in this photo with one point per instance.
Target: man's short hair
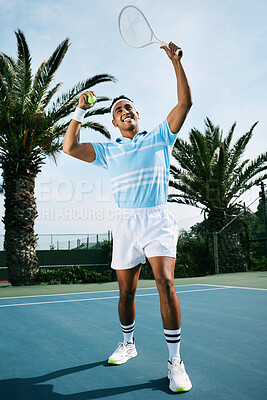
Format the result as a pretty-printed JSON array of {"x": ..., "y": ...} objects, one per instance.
[
  {"x": 117, "y": 100},
  {"x": 122, "y": 97}
]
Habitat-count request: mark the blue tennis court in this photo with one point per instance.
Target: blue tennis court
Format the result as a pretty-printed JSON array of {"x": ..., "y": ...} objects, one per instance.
[{"x": 55, "y": 347}]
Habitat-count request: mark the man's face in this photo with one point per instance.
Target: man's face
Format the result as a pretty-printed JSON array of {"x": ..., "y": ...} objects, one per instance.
[{"x": 125, "y": 116}]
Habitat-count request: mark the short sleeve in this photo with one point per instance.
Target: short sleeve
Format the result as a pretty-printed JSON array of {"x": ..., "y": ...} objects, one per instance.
[
  {"x": 165, "y": 132},
  {"x": 100, "y": 151}
]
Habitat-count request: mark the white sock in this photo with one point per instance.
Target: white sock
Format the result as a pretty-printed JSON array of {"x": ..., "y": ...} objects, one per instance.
[
  {"x": 128, "y": 331},
  {"x": 173, "y": 342}
]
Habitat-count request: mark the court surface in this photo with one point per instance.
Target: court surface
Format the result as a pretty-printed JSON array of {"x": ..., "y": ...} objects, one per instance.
[{"x": 55, "y": 347}]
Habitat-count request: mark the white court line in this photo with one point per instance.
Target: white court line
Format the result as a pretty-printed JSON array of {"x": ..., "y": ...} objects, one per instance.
[
  {"x": 229, "y": 287},
  {"x": 101, "y": 298},
  {"x": 97, "y": 291},
  {"x": 117, "y": 290}
]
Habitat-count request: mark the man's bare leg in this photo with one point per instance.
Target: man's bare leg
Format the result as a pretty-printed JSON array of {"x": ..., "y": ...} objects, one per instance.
[{"x": 128, "y": 280}]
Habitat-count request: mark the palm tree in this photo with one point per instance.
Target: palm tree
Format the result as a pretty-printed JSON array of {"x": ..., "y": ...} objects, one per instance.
[
  {"x": 31, "y": 128},
  {"x": 211, "y": 173}
]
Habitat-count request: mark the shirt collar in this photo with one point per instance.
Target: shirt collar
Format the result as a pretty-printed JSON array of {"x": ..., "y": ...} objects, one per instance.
[{"x": 123, "y": 139}]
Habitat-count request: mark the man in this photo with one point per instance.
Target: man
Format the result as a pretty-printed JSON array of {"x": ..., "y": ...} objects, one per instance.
[{"x": 138, "y": 164}]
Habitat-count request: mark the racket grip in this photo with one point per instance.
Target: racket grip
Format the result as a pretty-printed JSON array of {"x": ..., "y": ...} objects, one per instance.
[{"x": 179, "y": 52}]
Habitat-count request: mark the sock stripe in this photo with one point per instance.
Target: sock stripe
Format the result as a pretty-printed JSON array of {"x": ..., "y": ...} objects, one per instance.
[
  {"x": 173, "y": 341},
  {"x": 173, "y": 338},
  {"x": 177, "y": 335},
  {"x": 128, "y": 330},
  {"x": 128, "y": 326},
  {"x": 172, "y": 331}
]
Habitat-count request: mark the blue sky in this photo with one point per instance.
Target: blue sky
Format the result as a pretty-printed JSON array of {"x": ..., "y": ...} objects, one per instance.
[{"x": 224, "y": 45}]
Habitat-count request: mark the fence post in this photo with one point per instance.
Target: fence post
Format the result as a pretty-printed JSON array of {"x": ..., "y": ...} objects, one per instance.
[
  {"x": 247, "y": 240},
  {"x": 263, "y": 197},
  {"x": 215, "y": 252}
]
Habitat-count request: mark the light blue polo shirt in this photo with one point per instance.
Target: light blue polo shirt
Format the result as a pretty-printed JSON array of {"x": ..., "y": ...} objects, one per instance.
[{"x": 138, "y": 167}]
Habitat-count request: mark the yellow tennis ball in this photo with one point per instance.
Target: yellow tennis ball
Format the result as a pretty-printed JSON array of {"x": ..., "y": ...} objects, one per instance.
[{"x": 91, "y": 99}]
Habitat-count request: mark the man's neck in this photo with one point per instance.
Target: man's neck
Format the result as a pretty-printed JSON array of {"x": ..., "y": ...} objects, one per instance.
[{"x": 130, "y": 134}]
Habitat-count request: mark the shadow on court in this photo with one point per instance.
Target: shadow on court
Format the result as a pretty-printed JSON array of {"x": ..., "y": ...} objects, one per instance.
[{"x": 33, "y": 388}]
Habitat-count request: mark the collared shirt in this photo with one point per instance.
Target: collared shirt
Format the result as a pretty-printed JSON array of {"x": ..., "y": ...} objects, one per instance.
[{"x": 138, "y": 167}]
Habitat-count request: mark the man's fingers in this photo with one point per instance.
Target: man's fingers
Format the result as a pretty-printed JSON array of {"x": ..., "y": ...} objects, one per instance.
[
  {"x": 164, "y": 47},
  {"x": 91, "y": 94},
  {"x": 83, "y": 100},
  {"x": 173, "y": 47}
]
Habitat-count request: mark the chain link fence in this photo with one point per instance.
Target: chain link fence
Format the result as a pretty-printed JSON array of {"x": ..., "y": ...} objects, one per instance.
[
  {"x": 72, "y": 241},
  {"x": 66, "y": 241},
  {"x": 241, "y": 245},
  {"x": 57, "y": 251}
]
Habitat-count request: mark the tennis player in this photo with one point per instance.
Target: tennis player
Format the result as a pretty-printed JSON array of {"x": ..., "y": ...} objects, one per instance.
[{"x": 138, "y": 164}]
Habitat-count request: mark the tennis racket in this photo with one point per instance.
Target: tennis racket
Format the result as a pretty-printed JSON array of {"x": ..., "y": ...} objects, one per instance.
[{"x": 135, "y": 29}]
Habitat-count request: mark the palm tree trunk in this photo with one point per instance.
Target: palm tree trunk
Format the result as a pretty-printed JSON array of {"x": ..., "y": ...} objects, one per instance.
[{"x": 20, "y": 213}]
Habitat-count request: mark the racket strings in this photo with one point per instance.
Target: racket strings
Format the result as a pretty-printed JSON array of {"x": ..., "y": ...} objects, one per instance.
[{"x": 134, "y": 28}]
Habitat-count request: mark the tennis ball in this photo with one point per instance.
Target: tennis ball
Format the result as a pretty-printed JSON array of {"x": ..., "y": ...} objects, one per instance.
[{"x": 91, "y": 99}]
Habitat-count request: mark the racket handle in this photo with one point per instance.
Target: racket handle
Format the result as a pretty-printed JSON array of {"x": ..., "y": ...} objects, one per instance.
[{"x": 179, "y": 52}]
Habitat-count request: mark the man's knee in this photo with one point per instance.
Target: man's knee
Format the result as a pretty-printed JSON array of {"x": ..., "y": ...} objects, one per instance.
[
  {"x": 166, "y": 286},
  {"x": 127, "y": 295}
]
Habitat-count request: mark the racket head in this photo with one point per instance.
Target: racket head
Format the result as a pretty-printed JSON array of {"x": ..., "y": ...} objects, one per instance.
[
  {"x": 136, "y": 30},
  {"x": 134, "y": 27}
]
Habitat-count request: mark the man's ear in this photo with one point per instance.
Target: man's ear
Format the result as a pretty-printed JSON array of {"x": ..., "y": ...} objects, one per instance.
[
  {"x": 114, "y": 123},
  {"x": 137, "y": 113}
]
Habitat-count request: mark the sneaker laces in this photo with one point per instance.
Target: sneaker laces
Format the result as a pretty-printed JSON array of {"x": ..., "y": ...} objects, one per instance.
[
  {"x": 177, "y": 368},
  {"x": 121, "y": 346}
]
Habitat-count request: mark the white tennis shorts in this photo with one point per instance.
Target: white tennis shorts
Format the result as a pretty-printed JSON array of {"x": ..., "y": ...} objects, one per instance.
[{"x": 143, "y": 232}]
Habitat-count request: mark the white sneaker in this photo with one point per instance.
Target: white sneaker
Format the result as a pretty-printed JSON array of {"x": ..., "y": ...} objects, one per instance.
[
  {"x": 179, "y": 380},
  {"x": 123, "y": 353}
]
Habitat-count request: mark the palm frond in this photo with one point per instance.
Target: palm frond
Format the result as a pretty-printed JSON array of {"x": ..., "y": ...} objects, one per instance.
[
  {"x": 5, "y": 97},
  {"x": 242, "y": 179},
  {"x": 30, "y": 126},
  {"x": 200, "y": 152},
  {"x": 214, "y": 131},
  {"x": 71, "y": 97},
  {"x": 238, "y": 149},
  {"x": 181, "y": 199},
  {"x": 246, "y": 187},
  {"x": 86, "y": 85},
  {"x": 182, "y": 152},
  {"x": 47, "y": 98},
  {"x": 7, "y": 70},
  {"x": 23, "y": 79},
  {"x": 97, "y": 111},
  {"x": 44, "y": 77},
  {"x": 96, "y": 126},
  {"x": 228, "y": 139},
  {"x": 228, "y": 176}
]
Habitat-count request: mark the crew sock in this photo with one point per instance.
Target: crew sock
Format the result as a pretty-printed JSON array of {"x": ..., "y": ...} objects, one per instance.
[
  {"x": 128, "y": 331},
  {"x": 173, "y": 342}
]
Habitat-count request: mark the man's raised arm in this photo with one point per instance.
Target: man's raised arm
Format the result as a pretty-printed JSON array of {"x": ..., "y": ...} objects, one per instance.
[
  {"x": 178, "y": 114},
  {"x": 71, "y": 145}
]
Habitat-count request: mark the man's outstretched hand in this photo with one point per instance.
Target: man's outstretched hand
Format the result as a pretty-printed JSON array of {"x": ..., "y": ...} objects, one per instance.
[{"x": 171, "y": 51}]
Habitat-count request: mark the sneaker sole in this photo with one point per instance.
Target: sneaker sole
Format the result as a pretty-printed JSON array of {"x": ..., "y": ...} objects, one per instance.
[
  {"x": 180, "y": 388},
  {"x": 121, "y": 362}
]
